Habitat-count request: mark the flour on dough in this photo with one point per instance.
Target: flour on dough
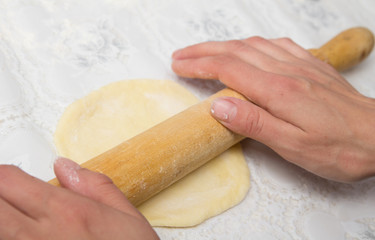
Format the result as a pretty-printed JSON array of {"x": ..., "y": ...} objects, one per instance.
[{"x": 121, "y": 110}]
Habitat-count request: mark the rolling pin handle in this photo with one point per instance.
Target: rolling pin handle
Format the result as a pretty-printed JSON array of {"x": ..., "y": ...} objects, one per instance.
[{"x": 135, "y": 163}]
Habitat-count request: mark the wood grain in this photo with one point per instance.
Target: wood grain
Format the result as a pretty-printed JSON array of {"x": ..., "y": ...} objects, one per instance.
[{"x": 153, "y": 160}]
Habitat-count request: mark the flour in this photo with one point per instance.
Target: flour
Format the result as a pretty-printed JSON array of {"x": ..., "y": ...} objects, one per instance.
[
  {"x": 69, "y": 170},
  {"x": 140, "y": 104}
]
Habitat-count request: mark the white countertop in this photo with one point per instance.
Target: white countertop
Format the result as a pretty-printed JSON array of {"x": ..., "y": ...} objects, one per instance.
[{"x": 53, "y": 52}]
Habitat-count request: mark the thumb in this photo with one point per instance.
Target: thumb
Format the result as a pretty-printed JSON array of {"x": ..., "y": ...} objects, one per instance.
[
  {"x": 249, "y": 120},
  {"x": 91, "y": 184}
]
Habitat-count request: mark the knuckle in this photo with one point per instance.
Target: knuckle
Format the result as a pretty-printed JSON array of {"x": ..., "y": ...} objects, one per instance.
[
  {"x": 254, "y": 123},
  {"x": 301, "y": 85},
  {"x": 236, "y": 45},
  {"x": 288, "y": 45},
  {"x": 285, "y": 40},
  {"x": 290, "y": 85},
  {"x": 256, "y": 40}
]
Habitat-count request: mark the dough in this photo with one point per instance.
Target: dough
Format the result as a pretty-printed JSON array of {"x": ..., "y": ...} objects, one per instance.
[{"x": 119, "y": 111}]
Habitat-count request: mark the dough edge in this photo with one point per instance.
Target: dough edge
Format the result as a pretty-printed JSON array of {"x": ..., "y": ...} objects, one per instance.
[{"x": 240, "y": 172}]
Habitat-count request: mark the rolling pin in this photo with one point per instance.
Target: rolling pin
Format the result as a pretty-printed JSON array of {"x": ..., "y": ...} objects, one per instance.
[{"x": 153, "y": 160}]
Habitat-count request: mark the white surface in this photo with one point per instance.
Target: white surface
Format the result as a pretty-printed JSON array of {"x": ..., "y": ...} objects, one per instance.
[{"x": 53, "y": 52}]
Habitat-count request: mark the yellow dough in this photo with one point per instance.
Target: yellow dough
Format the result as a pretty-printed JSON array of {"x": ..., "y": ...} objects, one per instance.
[{"x": 121, "y": 110}]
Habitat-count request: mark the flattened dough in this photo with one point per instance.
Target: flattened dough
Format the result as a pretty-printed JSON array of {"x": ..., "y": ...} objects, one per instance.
[{"x": 121, "y": 110}]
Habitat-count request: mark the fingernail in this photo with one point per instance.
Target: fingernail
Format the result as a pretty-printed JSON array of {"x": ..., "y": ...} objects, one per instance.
[
  {"x": 223, "y": 110},
  {"x": 69, "y": 168}
]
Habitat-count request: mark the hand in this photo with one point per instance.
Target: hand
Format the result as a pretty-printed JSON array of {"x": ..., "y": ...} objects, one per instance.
[
  {"x": 89, "y": 207},
  {"x": 298, "y": 105}
]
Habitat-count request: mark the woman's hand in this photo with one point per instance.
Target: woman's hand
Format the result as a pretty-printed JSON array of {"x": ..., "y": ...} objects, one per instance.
[
  {"x": 93, "y": 208},
  {"x": 298, "y": 105}
]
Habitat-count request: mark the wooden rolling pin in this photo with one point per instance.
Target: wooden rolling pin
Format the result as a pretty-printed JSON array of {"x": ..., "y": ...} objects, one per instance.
[{"x": 160, "y": 156}]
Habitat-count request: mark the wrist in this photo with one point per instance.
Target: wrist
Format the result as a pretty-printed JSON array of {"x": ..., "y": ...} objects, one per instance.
[
  {"x": 365, "y": 140},
  {"x": 356, "y": 150}
]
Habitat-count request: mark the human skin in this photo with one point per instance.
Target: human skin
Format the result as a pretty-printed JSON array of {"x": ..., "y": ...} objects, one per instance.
[
  {"x": 89, "y": 206},
  {"x": 299, "y": 106}
]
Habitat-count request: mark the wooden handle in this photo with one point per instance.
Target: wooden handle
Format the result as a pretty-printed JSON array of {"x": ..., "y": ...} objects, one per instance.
[
  {"x": 160, "y": 156},
  {"x": 347, "y": 49}
]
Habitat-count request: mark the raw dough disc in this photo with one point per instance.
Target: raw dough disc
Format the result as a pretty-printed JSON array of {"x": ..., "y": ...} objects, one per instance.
[{"x": 119, "y": 111}]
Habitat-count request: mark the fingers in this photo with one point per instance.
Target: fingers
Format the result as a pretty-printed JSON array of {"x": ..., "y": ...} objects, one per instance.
[
  {"x": 13, "y": 223},
  {"x": 233, "y": 72},
  {"x": 273, "y": 92},
  {"x": 257, "y": 46},
  {"x": 330, "y": 73},
  {"x": 256, "y": 51},
  {"x": 288, "y": 45},
  {"x": 257, "y": 67},
  {"x": 24, "y": 192},
  {"x": 262, "y": 53},
  {"x": 249, "y": 120},
  {"x": 93, "y": 185}
]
